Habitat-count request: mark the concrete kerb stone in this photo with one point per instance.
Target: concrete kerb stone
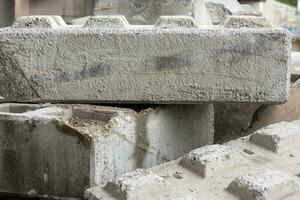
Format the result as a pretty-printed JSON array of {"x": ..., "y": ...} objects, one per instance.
[{"x": 146, "y": 64}]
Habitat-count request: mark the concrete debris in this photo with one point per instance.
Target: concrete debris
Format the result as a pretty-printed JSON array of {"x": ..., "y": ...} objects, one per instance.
[
  {"x": 149, "y": 64},
  {"x": 60, "y": 150},
  {"x": 258, "y": 174}
]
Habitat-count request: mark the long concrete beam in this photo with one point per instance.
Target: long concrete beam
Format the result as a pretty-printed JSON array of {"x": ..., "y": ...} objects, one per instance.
[{"x": 175, "y": 61}]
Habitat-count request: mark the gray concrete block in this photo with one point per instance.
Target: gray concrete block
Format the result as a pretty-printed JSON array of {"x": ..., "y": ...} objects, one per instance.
[
  {"x": 146, "y": 64},
  {"x": 61, "y": 150},
  {"x": 278, "y": 137},
  {"x": 266, "y": 185}
]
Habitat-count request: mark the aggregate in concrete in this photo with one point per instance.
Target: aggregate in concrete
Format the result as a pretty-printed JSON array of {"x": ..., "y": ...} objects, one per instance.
[
  {"x": 258, "y": 174},
  {"x": 107, "y": 60},
  {"x": 61, "y": 150}
]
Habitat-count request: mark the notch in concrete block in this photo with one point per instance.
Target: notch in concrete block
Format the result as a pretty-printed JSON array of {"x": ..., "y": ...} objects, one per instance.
[
  {"x": 232, "y": 21},
  {"x": 266, "y": 185},
  {"x": 208, "y": 160},
  {"x": 42, "y": 22},
  {"x": 165, "y": 22},
  {"x": 278, "y": 137},
  {"x": 136, "y": 184},
  {"x": 107, "y": 21}
]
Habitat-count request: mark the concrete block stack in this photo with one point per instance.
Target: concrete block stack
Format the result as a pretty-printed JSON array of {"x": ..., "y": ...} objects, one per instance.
[{"x": 168, "y": 74}]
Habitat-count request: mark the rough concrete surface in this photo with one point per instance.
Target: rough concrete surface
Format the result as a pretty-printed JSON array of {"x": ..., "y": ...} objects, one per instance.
[
  {"x": 257, "y": 174},
  {"x": 61, "y": 150},
  {"x": 107, "y": 62}
]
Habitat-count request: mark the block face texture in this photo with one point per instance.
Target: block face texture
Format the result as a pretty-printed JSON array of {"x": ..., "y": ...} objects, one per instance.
[
  {"x": 266, "y": 185},
  {"x": 245, "y": 22},
  {"x": 278, "y": 137},
  {"x": 30, "y": 147},
  {"x": 144, "y": 64},
  {"x": 169, "y": 132},
  {"x": 211, "y": 159}
]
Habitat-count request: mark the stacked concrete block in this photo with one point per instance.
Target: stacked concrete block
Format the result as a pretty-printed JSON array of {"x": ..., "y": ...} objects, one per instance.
[
  {"x": 61, "y": 150},
  {"x": 107, "y": 60},
  {"x": 255, "y": 173}
]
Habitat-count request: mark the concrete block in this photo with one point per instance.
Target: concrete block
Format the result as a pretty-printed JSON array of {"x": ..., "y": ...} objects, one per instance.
[
  {"x": 61, "y": 150},
  {"x": 245, "y": 22},
  {"x": 256, "y": 175},
  {"x": 148, "y": 11},
  {"x": 146, "y": 64},
  {"x": 278, "y": 137},
  {"x": 265, "y": 185},
  {"x": 212, "y": 159}
]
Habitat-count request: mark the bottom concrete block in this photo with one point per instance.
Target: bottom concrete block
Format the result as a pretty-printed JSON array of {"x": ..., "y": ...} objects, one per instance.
[{"x": 61, "y": 150}]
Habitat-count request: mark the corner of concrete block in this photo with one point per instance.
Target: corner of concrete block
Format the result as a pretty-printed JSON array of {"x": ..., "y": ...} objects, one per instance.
[{"x": 232, "y": 21}]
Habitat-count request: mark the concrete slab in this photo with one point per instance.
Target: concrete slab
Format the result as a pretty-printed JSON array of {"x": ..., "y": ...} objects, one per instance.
[
  {"x": 60, "y": 150},
  {"x": 257, "y": 174},
  {"x": 135, "y": 64}
]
